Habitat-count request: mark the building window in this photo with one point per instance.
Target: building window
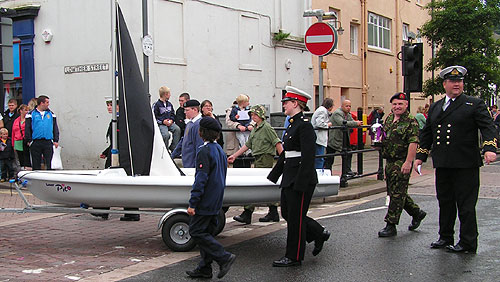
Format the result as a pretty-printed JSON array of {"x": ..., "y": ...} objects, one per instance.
[
  {"x": 406, "y": 29},
  {"x": 419, "y": 35},
  {"x": 334, "y": 22},
  {"x": 354, "y": 39},
  {"x": 379, "y": 32}
]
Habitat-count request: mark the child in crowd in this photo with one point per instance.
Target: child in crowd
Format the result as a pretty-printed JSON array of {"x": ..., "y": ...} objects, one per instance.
[
  {"x": 240, "y": 115},
  {"x": 6, "y": 156},
  {"x": 264, "y": 143},
  {"x": 206, "y": 201}
]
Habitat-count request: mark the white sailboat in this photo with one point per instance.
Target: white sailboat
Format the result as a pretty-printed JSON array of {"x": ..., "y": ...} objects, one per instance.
[{"x": 147, "y": 176}]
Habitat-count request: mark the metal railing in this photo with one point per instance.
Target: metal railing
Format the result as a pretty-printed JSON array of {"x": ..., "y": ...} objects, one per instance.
[{"x": 347, "y": 150}]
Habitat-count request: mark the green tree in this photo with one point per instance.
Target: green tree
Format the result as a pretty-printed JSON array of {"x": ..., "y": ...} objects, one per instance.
[{"x": 463, "y": 33}]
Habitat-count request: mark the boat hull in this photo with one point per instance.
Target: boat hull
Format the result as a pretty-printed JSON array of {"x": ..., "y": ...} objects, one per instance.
[{"x": 113, "y": 188}]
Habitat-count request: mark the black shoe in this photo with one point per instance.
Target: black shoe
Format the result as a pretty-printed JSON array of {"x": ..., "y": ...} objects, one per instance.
[
  {"x": 272, "y": 215},
  {"x": 388, "y": 231},
  {"x": 286, "y": 262},
  {"x": 441, "y": 243},
  {"x": 460, "y": 249},
  {"x": 197, "y": 273},
  {"x": 352, "y": 173},
  {"x": 130, "y": 217},
  {"x": 416, "y": 220},
  {"x": 224, "y": 268},
  {"x": 245, "y": 217},
  {"x": 318, "y": 244}
]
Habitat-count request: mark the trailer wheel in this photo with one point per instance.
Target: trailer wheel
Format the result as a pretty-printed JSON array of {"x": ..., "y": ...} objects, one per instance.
[
  {"x": 221, "y": 222},
  {"x": 175, "y": 233}
]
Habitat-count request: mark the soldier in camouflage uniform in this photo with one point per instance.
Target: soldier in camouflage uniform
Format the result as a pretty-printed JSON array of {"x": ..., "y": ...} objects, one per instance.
[{"x": 399, "y": 150}]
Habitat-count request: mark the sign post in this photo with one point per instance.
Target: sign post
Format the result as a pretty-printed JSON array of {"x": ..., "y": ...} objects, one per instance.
[{"x": 320, "y": 39}]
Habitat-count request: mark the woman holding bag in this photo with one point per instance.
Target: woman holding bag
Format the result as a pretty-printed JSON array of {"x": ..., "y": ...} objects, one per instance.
[{"x": 18, "y": 141}]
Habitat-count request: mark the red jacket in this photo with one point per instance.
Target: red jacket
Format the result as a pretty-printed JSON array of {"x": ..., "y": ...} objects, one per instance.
[
  {"x": 17, "y": 130},
  {"x": 353, "y": 137}
]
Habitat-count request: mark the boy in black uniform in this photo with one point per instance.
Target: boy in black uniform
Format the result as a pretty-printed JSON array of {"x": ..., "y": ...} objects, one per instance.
[
  {"x": 299, "y": 179},
  {"x": 206, "y": 201}
]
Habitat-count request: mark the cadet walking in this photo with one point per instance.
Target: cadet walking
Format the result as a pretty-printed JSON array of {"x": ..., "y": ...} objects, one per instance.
[
  {"x": 206, "y": 201},
  {"x": 299, "y": 179},
  {"x": 399, "y": 149}
]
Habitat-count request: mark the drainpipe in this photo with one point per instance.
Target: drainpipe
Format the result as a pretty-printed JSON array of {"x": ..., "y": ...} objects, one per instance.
[
  {"x": 398, "y": 45},
  {"x": 364, "y": 48}
]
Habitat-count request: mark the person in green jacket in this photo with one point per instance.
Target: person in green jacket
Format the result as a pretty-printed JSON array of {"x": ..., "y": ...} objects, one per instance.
[{"x": 264, "y": 143}]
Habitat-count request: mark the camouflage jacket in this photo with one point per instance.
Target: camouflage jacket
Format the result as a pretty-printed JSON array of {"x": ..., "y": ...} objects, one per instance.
[{"x": 399, "y": 135}]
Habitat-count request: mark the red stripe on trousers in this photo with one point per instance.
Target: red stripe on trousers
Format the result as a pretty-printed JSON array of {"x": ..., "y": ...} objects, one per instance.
[{"x": 300, "y": 225}]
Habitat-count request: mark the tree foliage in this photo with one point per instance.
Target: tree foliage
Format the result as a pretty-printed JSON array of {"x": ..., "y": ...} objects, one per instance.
[{"x": 463, "y": 33}]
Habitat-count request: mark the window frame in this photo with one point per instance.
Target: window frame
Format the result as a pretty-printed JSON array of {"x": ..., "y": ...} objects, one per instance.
[
  {"x": 381, "y": 27},
  {"x": 354, "y": 39}
]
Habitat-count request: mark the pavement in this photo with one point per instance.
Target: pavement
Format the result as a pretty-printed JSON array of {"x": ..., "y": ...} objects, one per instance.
[{"x": 71, "y": 247}]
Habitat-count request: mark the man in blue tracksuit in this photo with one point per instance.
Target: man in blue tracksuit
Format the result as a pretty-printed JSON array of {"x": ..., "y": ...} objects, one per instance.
[
  {"x": 41, "y": 133},
  {"x": 206, "y": 201}
]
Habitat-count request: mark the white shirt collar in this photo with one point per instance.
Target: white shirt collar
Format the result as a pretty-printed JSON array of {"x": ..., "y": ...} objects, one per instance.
[
  {"x": 448, "y": 99},
  {"x": 194, "y": 119}
]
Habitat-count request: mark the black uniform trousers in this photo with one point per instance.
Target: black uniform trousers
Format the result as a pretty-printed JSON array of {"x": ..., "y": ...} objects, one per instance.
[
  {"x": 39, "y": 148},
  {"x": 300, "y": 227},
  {"x": 458, "y": 188},
  {"x": 201, "y": 228}
]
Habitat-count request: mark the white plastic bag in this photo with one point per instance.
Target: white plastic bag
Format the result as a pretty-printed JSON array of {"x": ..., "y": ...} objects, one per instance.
[{"x": 56, "y": 158}]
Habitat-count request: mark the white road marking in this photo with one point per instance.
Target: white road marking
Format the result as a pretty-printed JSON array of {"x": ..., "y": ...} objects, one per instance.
[
  {"x": 235, "y": 231},
  {"x": 353, "y": 212}
]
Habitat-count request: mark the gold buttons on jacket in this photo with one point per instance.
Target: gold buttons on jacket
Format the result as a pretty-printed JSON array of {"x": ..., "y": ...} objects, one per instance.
[
  {"x": 439, "y": 125},
  {"x": 437, "y": 143},
  {"x": 449, "y": 125},
  {"x": 439, "y": 131},
  {"x": 447, "y": 143}
]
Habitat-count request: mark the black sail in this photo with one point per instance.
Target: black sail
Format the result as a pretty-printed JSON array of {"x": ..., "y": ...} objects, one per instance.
[{"x": 135, "y": 119}]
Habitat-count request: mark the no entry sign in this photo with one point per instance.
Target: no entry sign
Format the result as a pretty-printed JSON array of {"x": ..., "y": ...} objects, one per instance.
[{"x": 321, "y": 39}]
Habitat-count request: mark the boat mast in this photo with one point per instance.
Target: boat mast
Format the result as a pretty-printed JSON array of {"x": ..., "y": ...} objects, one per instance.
[{"x": 114, "y": 121}]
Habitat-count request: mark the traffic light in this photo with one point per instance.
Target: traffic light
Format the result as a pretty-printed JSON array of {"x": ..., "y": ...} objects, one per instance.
[
  {"x": 412, "y": 66},
  {"x": 7, "y": 63}
]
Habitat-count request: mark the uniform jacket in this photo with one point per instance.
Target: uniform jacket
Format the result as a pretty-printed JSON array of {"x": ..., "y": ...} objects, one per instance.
[
  {"x": 210, "y": 180},
  {"x": 451, "y": 136},
  {"x": 263, "y": 140},
  {"x": 190, "y": 143},
  {"x": 399, "y": 135},
  {"x": 335, "y": 136},
  {"x": 298, "y": 173},
  {"x": 320, "y": 119},
  {"x": 38, "y": 128}
]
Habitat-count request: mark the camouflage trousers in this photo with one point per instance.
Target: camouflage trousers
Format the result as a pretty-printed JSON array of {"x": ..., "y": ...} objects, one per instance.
[{"x": 397, "y": 189}]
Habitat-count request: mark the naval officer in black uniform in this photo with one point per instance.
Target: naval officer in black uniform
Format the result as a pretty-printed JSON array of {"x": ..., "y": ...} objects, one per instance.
[
  {"x": 451, "y": 136},
  {"x": 296, "y": 163}
]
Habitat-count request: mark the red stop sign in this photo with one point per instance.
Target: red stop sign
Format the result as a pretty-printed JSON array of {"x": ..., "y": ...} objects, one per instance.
[{"x": 321, "y": 39}]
